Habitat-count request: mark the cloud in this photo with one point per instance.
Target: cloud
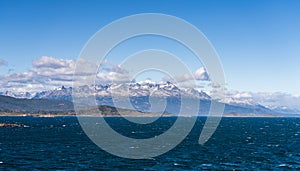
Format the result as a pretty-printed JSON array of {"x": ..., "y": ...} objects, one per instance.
[
  {"x": 112, "y": 77},
  {"x": 48, "y": 72},
  {"x": 271, "y": 100},
  {"x": 179, "y": 78},
  {"x": 48, "y": 66},
  {"x": 112, "y": 73},
  {"x": 108, "y": 66},
  {"x": 3, "y": 62},
  {"x": 201, "y": 74},
  {"x": 54, "y": 63}
]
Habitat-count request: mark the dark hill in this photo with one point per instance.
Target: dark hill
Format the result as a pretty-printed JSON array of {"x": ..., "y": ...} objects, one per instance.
[{"x": 10, "y": 104}]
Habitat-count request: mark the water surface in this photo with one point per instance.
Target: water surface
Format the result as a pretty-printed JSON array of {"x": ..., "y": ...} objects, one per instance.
[{"x": 239, "y": 143}]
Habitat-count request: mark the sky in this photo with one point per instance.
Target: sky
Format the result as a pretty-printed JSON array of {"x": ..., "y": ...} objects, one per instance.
[{"x": 257, "y": 40}]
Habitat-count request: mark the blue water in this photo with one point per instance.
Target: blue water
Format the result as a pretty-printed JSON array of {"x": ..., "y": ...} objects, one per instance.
[{"x": 239, "y": 143}]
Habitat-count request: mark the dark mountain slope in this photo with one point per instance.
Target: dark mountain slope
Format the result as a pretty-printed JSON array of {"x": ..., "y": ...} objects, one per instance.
[{"x": 10, "y": 104}]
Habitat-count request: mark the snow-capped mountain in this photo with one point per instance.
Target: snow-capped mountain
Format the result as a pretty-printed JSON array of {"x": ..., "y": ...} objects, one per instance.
[
  {"x": 19, "y": 95},
  {"x": 279, "y": 102},
  {"x": 141, "y": 92},
  {"x": 284, "y": 109},
  {"x": 166, "y": 89},
  {"x": 60, "y": 93},
  {"x": 238, "y": 102}
]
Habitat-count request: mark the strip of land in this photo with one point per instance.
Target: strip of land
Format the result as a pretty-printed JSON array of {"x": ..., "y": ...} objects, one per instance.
[{"x": 132, "y": 114}]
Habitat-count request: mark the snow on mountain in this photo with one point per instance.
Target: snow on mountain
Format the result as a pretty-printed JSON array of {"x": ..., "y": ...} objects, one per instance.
[
  {"x": 60, "y": 93},
  {"x": 141, "y": 91},
  {"x": 278, "y": 101},
  {"x": 284, "y": 109},
  {"x": 20, "y": 95},
  {"x": 146, "y": 88},
  {"x": 239, "y": 102},
  {"x": 190, "y": 92}
]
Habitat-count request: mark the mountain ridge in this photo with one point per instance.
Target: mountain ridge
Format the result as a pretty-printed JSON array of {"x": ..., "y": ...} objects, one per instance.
[{"x": 140, "y": 95}]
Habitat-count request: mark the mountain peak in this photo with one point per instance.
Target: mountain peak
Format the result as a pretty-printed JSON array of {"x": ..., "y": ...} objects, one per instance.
[{"x": 61, "y": 88}]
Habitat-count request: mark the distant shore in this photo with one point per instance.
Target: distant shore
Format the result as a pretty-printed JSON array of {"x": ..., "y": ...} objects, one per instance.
[{"x": 3, "y": 114}]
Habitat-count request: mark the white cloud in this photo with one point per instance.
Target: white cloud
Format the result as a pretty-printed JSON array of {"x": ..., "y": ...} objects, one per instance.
[
  {"x": 179, "y": 78},
  {"x": 108, "y": 66},
  {"x": 271, "y": 100},
  {"x": 201, "y": 74},
  {"x": 49, "y": 62},
  {"x": 110, "y": 72},
  {"x": 48, "y": 72},
  {"x": 52, "y": 67}
]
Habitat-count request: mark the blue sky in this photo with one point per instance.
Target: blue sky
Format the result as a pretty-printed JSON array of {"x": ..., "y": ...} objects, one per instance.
[{"x": 258, "y": 41}]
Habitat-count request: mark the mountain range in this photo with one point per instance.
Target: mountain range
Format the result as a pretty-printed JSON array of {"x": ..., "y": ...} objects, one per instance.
[{"x": 140, "y": 95}]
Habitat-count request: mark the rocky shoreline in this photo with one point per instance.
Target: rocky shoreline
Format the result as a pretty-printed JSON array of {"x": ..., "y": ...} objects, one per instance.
[{"x": 11, "y": 125}]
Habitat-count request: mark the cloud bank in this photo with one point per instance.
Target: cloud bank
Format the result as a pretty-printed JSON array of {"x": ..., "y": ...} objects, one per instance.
[
  {"x": 45, "y": 73},
  {"x": 48, "y": 73},
  {"x": 271, "y": 100}
]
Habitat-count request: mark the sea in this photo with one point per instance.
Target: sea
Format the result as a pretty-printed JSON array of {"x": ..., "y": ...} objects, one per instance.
[{"x": 59, "y": 143}]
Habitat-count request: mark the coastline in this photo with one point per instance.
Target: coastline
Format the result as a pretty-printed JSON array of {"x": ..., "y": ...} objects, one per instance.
[{"x": 148, "y": 115}]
